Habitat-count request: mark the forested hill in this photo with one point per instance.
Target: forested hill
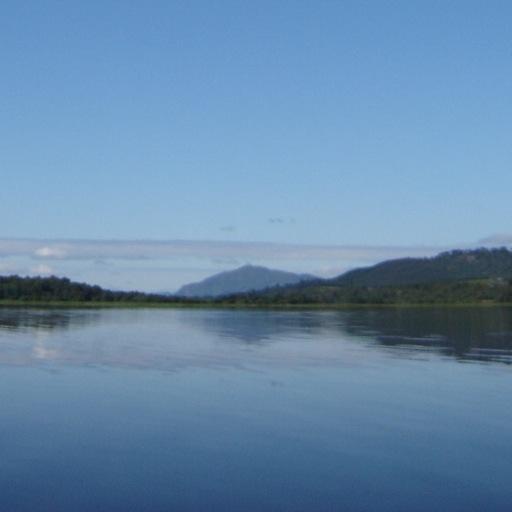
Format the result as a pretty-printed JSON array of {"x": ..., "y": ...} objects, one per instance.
[
  {"x": 51, "y": 289},
  {"x": 481, "y": 275},
  {"x": 454, "y": 265}
]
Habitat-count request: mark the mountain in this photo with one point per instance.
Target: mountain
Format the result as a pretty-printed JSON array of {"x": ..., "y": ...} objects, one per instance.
[
  {"x": 452, "y": 265},
  {"x": 451, "y": 277},
  {"x": 243, "y": 279}
]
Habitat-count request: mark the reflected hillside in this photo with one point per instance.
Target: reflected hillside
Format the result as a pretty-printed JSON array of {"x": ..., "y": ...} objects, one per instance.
[
  {"x": 474, "y": 334},
  {"x": 30, "y": 319},
  {"x": 170, "y": 340},
  {"x": 257, "y": 327}
]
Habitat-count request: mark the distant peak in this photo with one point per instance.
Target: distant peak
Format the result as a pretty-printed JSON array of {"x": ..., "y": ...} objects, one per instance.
[{"x": 248, "y": 277}]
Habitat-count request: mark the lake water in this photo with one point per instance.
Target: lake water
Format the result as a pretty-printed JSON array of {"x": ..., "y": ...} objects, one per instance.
[{"x": 225, "y": 410}]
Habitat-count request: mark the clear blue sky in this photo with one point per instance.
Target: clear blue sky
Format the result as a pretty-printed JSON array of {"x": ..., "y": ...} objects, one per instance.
[{"x": 320, "y": 122}]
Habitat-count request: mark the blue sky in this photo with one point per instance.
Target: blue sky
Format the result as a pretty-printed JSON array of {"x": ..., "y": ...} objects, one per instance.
[{"x": 309, "y": 124}]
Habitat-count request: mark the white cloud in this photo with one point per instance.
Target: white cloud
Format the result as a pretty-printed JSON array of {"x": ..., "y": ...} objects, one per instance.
[
  {"x": 50, "y": 252},
  {"x": 42, "y": 270}
]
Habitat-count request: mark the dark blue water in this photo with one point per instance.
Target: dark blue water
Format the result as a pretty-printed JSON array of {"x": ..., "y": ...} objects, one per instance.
[{"x": 200, "y": 410}]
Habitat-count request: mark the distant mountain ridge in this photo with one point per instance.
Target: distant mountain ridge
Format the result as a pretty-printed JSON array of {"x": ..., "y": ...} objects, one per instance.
[
  {"x": 452, "y": 265},
  {"x": 479, "y": 276},
  {"x": 459, "y": 276},
  {"x": 244, "y": 279}
]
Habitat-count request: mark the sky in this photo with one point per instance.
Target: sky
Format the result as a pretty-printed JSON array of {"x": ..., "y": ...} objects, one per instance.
[{"x": 311, "y": 136}]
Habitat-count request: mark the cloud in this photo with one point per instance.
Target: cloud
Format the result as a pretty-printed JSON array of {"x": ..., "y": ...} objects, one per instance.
[
  {"x": 226, "y": 262},
  {"x": 8, "y": 267},
  {"x": 54, "y": 252},
  {"x": 499, "y": 239},
  {"x": 101, "y": 263},
  {"x": 42, "y": 270},
  {"x": 93, "y": 250}
]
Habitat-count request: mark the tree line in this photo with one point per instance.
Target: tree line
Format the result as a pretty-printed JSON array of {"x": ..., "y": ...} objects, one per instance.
[{"x": 50, "y": 289}]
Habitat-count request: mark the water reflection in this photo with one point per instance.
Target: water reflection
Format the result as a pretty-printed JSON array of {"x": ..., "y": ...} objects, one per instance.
[
  {"x": 259, "y": 327},
  {"x": 469, "y": 334},
  {"x": 32, "y": 319},
  {"x": 170, "y": 340}
]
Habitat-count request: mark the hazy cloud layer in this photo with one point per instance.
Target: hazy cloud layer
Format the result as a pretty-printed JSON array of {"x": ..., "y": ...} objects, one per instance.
[
  {"x": 499, "y": 239},
  {"x": 220, "y": 250},
  {"x": 42, "y": 270}
]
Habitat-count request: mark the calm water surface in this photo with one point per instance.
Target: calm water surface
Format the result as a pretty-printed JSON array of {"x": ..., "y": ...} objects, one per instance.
[{"x": 203, "y": 410}]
